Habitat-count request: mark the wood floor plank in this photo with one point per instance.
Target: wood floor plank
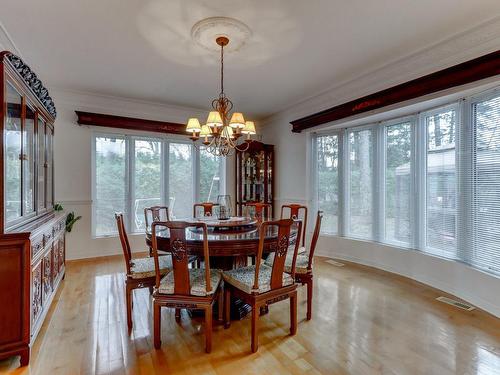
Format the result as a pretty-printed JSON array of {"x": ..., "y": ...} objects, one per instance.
[{"x": 365, "y": 321}]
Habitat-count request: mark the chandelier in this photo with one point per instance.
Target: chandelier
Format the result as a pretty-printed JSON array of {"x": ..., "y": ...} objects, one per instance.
[{"x": 222, "y": 130}]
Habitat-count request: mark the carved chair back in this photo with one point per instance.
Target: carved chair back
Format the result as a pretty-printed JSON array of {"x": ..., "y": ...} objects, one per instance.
[
  {"x": 284, "y": 227},
  {"x": 314, "y": 240},
  {"x": 296, "y": 212},
  {"x": 124, "y": 240},
  {"x": 208, "y": 208},
  {"x": 155, "y": 213},
  {"x": 261, "y": 211},
  {"x": 180, "y": 256}
]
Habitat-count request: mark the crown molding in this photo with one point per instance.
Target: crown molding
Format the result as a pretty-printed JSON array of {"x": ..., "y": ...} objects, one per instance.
[
  {"x": 472, "y": 43},
  {"x": 70, "y": 100},
  {"x": 7, "y": 43}
]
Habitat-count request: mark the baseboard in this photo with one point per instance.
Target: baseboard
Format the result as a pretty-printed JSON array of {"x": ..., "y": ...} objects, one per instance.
[{"x": 440, "y": 284}]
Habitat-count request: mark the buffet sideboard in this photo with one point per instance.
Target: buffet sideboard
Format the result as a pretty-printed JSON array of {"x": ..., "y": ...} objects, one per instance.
[{"x": 32, "y": 234}]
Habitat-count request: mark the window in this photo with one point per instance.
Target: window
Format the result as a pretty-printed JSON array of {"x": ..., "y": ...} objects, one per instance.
[
  {"x": 210, "y": 176},
  {"x": 398, "y": 182},
  {"x": 131, "y": 173},
  {"x": 110, "y": 182},
  {"x": 360, "y": 176},
  {"x": 147, "y": 187},
  {"x": 485, "y": 179},
  {"x": 441, "y": 182},
  {"x": 327, "y": 175},
  {"x": 429, "y": 181},
  {"x": 180, "y": 180}
]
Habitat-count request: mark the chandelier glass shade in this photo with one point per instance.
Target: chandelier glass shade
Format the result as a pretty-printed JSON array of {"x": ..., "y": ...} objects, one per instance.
[{"x": 223, "y": 128}]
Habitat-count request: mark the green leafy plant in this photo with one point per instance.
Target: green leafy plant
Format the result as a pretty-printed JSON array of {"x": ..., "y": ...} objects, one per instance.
[
  {"x": 58, "y": 207},
  {"x": 70, "y": 220}
]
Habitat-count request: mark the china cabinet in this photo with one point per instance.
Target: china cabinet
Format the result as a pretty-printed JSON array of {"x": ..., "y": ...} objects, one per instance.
[
  {"x": 255, "y": 176},
  {"x": 32, "y": 235}
]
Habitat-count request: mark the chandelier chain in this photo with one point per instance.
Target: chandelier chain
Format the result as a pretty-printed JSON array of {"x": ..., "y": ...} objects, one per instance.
[{"x": 222, "y": 70}]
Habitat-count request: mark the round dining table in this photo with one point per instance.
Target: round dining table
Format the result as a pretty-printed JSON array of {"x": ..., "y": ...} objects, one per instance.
[{"x": 230, "y": 245}]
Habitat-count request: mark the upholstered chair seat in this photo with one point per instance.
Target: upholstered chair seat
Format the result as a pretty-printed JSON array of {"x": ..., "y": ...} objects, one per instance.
[
  {"x": 300, "y": 264},
  {"x": 145, "y": 267},
  {"x": 196, "y": 281},
  {"x": 243, "y": 278}
]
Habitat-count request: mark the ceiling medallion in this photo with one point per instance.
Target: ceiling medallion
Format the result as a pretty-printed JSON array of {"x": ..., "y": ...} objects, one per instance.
[
  {"x": 220, "y": 134},
  {"x": 204, "y": 33}
]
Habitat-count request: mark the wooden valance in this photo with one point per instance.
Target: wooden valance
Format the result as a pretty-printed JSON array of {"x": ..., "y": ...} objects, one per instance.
[
  {"x": 130, "y": 123},
  {"x": 467, "y": 72}
]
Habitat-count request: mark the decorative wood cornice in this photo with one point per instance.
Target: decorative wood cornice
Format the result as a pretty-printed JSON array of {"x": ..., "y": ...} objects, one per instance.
[
  {"x": 31, "y": 80},
  {"x": 467, "y": 72},
  {"x": 130, "y": 123}
]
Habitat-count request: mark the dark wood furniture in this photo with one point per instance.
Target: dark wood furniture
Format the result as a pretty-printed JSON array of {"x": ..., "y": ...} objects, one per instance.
[
  {"x": 258, "y": 210},
  {"x": 155, "y": 213},
  {"x": 304, "y": 264},
  {"x": 261, "y": 285},
  {"x": 182, "y": 288},
  {"x": 208, "y": 208},
  {"x": 255, "y": 176},
  {"x": 129, "y": 123},
  {"x": 296, "y": 211},
  {"x": 305, "y": 275},
  {"x": 457, "y": 75},
  {"x": 140, "y": 272},
  {"x": 32, "y": 235}
]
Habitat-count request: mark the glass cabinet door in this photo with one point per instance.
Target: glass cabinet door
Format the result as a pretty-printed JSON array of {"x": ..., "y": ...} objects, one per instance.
[
  {"x": 49, "y": 139},
  {"x": 29, "y": 162},
  {"x": 41, "y": 164},
  {"x": 12, "y": 155}
]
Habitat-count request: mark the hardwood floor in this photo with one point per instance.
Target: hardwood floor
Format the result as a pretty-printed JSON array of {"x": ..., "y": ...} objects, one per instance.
[{"x": 364, "y": 321}]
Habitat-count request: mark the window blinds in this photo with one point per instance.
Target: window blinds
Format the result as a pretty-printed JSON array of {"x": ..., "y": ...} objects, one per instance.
[
  {"x": 430, "y": 182},
  {"x": 485, "y": 180}
]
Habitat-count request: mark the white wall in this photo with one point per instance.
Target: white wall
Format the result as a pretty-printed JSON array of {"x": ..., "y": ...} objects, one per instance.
[
  {"x": 292, "y": 165},
  {"x": 73, "y": 162}
]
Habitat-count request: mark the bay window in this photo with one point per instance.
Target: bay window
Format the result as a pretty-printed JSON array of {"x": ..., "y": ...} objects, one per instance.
[{"x": 429, "y": 181}]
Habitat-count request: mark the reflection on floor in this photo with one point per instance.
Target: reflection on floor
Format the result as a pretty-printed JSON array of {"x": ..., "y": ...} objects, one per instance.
[{"x": 364, "y": 322}]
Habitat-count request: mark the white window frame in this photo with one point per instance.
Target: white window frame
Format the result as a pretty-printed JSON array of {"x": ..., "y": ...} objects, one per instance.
[
  {"x": 129, "y": 167},
  {"x": 464, "y": 143}
]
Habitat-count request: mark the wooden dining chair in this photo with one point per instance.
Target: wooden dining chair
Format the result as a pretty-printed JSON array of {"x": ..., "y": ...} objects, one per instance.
[
  {"x": 260, "y": 285},
  {"x": 184, "y": 287},
  {"x": 140, "y": 272},
  {"x": 208, "y": 208},
  {"x": 304, "y": 264},
  {"x": 296, "y": 212},
  {"x": 154, "y": 213},
  {"x": 258, "y": 210}
]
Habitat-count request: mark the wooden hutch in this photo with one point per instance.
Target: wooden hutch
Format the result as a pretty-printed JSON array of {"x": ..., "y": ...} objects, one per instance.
[
  {"x": 32, "y": 243},
  {"x": 255, "y": 176}
]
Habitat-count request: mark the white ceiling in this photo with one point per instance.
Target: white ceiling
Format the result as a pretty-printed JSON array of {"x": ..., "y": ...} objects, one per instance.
[{"x": 142, "y": 48}]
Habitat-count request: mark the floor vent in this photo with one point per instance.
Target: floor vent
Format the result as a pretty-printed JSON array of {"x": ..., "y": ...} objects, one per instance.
[
  {"x": 460, "y": 305},
  {"x": 334, "y": 263}
]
